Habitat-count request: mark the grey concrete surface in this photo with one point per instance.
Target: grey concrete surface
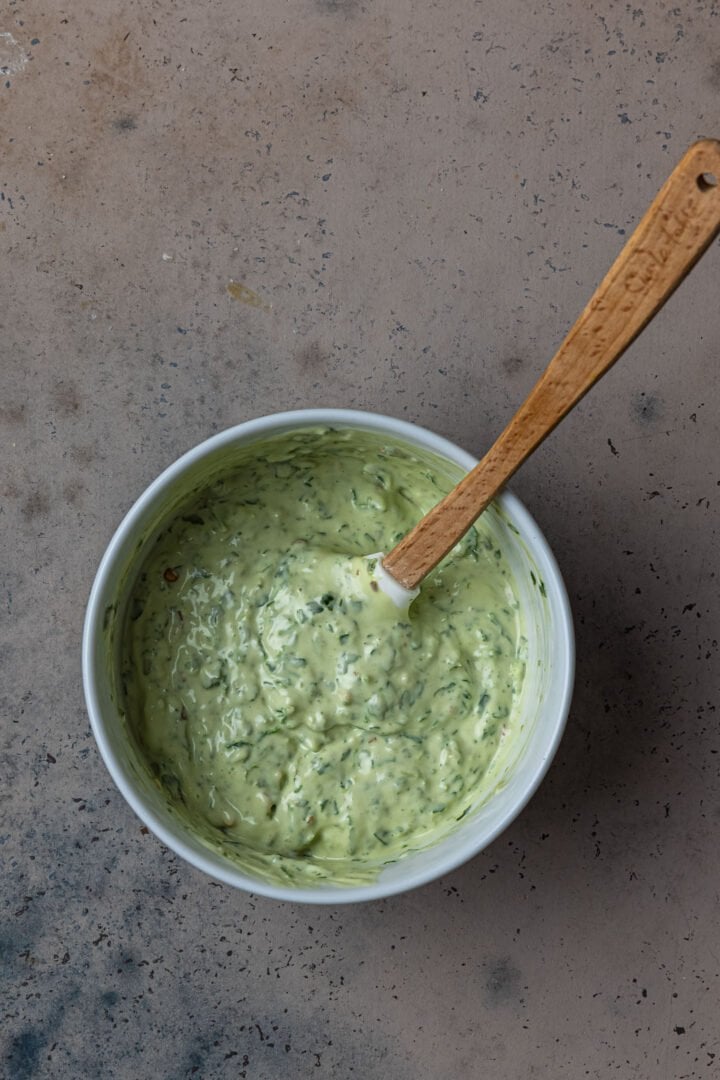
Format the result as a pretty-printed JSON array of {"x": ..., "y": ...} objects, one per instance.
[{"x": 417, "y": 199}]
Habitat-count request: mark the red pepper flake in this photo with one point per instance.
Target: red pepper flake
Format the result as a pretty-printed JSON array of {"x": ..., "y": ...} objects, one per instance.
[
  {"x": 170, "y": 574},
  {"x": 144, "y": 830}
]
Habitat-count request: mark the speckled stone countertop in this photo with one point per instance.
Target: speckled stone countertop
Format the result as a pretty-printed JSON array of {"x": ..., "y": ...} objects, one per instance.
[{"x": 213, "y": 211}]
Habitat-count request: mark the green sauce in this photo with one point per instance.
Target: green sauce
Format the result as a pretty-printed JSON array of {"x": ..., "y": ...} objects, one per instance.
[{"x": 299, "y": 721}]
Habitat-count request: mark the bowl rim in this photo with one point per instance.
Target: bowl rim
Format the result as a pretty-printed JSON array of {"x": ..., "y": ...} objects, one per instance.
[{"x": 247, "y": 432}]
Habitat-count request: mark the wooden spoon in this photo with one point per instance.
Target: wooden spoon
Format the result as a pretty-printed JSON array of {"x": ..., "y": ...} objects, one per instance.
[{"x": 680, "y": 224}]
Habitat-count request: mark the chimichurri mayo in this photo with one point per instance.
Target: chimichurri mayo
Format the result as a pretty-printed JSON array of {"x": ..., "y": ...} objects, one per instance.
[{"x": 300, "y": 722}]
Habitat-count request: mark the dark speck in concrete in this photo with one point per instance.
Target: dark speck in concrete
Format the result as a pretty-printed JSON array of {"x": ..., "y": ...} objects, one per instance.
[
  {"x": 36, "y": 505},
  {"x": 647, "y": 408},
  {"x": 196, "y": 1061},
  {"x": 8, "y": 951},
  {"x": 23, "y": 1055},
  {"x": 124, "y": 123},
  {"x": 310, "y": 357},
  {"x": 502, "y": 981},
  {"x": 714, "y": 79},
  {"x": 72, "y": 492},
  {"x": 512, "y": 365},
  {"x": 66, "y": 397},
  {"x": 344, "y": 7},
  {"x": 82, "y": 455},
  {"x": 12, "y": 414}
]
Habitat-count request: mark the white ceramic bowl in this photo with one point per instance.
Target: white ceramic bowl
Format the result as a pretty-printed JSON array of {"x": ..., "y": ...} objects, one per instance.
[{"x": 545, "y": 697}]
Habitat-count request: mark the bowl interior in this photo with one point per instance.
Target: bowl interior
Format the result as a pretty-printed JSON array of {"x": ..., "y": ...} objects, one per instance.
[{"x": 516, "y": 769}]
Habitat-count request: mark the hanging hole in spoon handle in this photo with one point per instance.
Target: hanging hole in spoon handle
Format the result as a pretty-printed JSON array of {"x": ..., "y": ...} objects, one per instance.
[{"x": 682, "y": 221}]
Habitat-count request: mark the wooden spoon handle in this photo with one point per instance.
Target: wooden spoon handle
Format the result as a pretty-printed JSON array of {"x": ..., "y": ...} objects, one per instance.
[{"x": 682, "y": 221}]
